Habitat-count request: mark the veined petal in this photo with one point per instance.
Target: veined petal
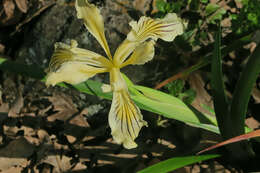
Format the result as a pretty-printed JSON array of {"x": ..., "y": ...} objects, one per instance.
[
  {"x": 125, "y": 118},
  {"x": 147, "y": 28},
  {"x": 142, "y": 54},
  {"x": 166, "y": 29},
  {"x": 74, "y": 65},
  {"x": 73, "y": 73},
  {"x": 93, "y": 22}
]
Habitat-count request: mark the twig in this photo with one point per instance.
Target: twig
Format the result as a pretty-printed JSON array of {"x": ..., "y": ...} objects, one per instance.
[
  {"x": 27, "y": 20},
  {"x": 173, "y": 78}
]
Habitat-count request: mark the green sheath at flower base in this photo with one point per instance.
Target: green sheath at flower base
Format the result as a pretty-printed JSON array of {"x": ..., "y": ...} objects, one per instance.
[{"x": 74, "y": 65}]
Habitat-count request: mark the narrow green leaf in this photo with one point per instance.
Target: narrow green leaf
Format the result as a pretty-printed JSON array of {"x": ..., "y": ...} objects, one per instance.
[
  {"x": 171, "y": 107},
  {"x": 240, "y": 101},
  {"x": 33, "y": 71},
  {"x": 175, "y": 163},
  {"x": 243, "y": 90},
  {"x": 217, "y": 85}
]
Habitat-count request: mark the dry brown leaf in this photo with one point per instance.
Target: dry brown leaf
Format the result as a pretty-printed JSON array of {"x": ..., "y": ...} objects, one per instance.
[
  {"x": 60, "y": 164},
  {"x": 10, "y": 131},
  {"x": 22, "y": 5},
  {"x": 202, "y": 96},
  {"x": 15, "y": 153},
  {"x": 4, "y": 107},
  {"x": 154, "y": 8},
  {"x": 79, "y": 120},
  {"x": 30, "y": 135},
  {"x": 43, "y": 135},
  {"x": 13, "y": 170},
  {"x": 142, "y": 5},
  {"x": 2, "y": 48},
  {"x": 16, "y": 106},
  {"x": 9, "y": 7},
  {"x": 64, "y": 105},
  {"x": 71, "y": 139},
  {"x": 252, "y": 123},
  {"x": 256, "y": 95}
]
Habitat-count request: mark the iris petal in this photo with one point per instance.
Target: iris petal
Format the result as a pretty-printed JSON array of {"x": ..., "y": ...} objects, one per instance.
[
  {"x": 142, "y": 54},
  {"x": 74, "y": 65},
  {"x": 125, "y": 119},
  {"x": 93, "y": 22},
  {"x": 147, "y": 28}
]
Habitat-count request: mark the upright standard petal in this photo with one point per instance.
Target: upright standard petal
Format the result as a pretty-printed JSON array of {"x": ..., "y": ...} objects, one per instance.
[
  {"x": 93, "y": 22},
  {"x": 142, "y": 54},
  {"x": 166, "y": 29},
  {"x": 74, "y": 65},
  {"x": 147, "y": 28},
  {"x": 125, "y": 118}
]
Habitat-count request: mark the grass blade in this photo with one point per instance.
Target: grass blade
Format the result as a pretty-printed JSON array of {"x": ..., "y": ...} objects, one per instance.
[{"x": 175, "y": 163}]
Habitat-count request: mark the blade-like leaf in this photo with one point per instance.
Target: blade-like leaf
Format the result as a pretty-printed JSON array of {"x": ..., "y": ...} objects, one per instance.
[
  {"x": 33, "y": 71},
  {"x": 218, "y": 88},
  {"x": 170, "y": 107},
  {"x": 175, "y": 163}
]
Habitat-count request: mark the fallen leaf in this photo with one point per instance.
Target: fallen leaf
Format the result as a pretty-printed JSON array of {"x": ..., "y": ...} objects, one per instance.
[
  {"x": 252, "y": 123},
  {"x": 256, "y": 95},
  {"x": 142, "y": 5},
  {"x": 15, "y": 169},
  {"x": 30, "y": 135},
  {"x": 4, "y": 107},
  {"x": 202, "y": 97},
  {"x": 15, "y": 153},
  {"x": 79, "y": 120},
  {"x": 60, "y": 164},
  {"x": 64, "y": 106},
  {"x": 9, "y": 7},
  {"x": 10, "y": 131},
  {"x": 71, "y": 139},
  {"x": 22, "y": 5},
  {"x": 16, "y": 106},
  {"x": 2, "y": 48},
  {"x": 43, "y": 135}
]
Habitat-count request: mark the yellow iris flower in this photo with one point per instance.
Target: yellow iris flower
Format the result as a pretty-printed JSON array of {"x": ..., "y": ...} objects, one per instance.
[{"x": 74, "y": 65}]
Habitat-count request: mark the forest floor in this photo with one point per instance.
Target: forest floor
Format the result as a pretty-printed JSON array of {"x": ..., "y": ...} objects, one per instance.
[{"x": 58, "y": 129}]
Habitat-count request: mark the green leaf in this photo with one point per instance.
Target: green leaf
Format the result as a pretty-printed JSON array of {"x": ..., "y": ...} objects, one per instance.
[
  {"x": 161, "y": 5},
  {"x": 253, "y": 18},
  {"x": 204, "y": 1},
  {"x": 171, "y": 107},
  {"x": 175, "y": 87},
  {"x": 33, "y": 71},
  {"x": 218, "y": 88},
  {"x": 175, "y": 163},
  {"x": 242, "y": 93},
  {"x": 211, "y": 8},
  {"x": 189, "y": 96},
  {"x": 217, "y": 16}
]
